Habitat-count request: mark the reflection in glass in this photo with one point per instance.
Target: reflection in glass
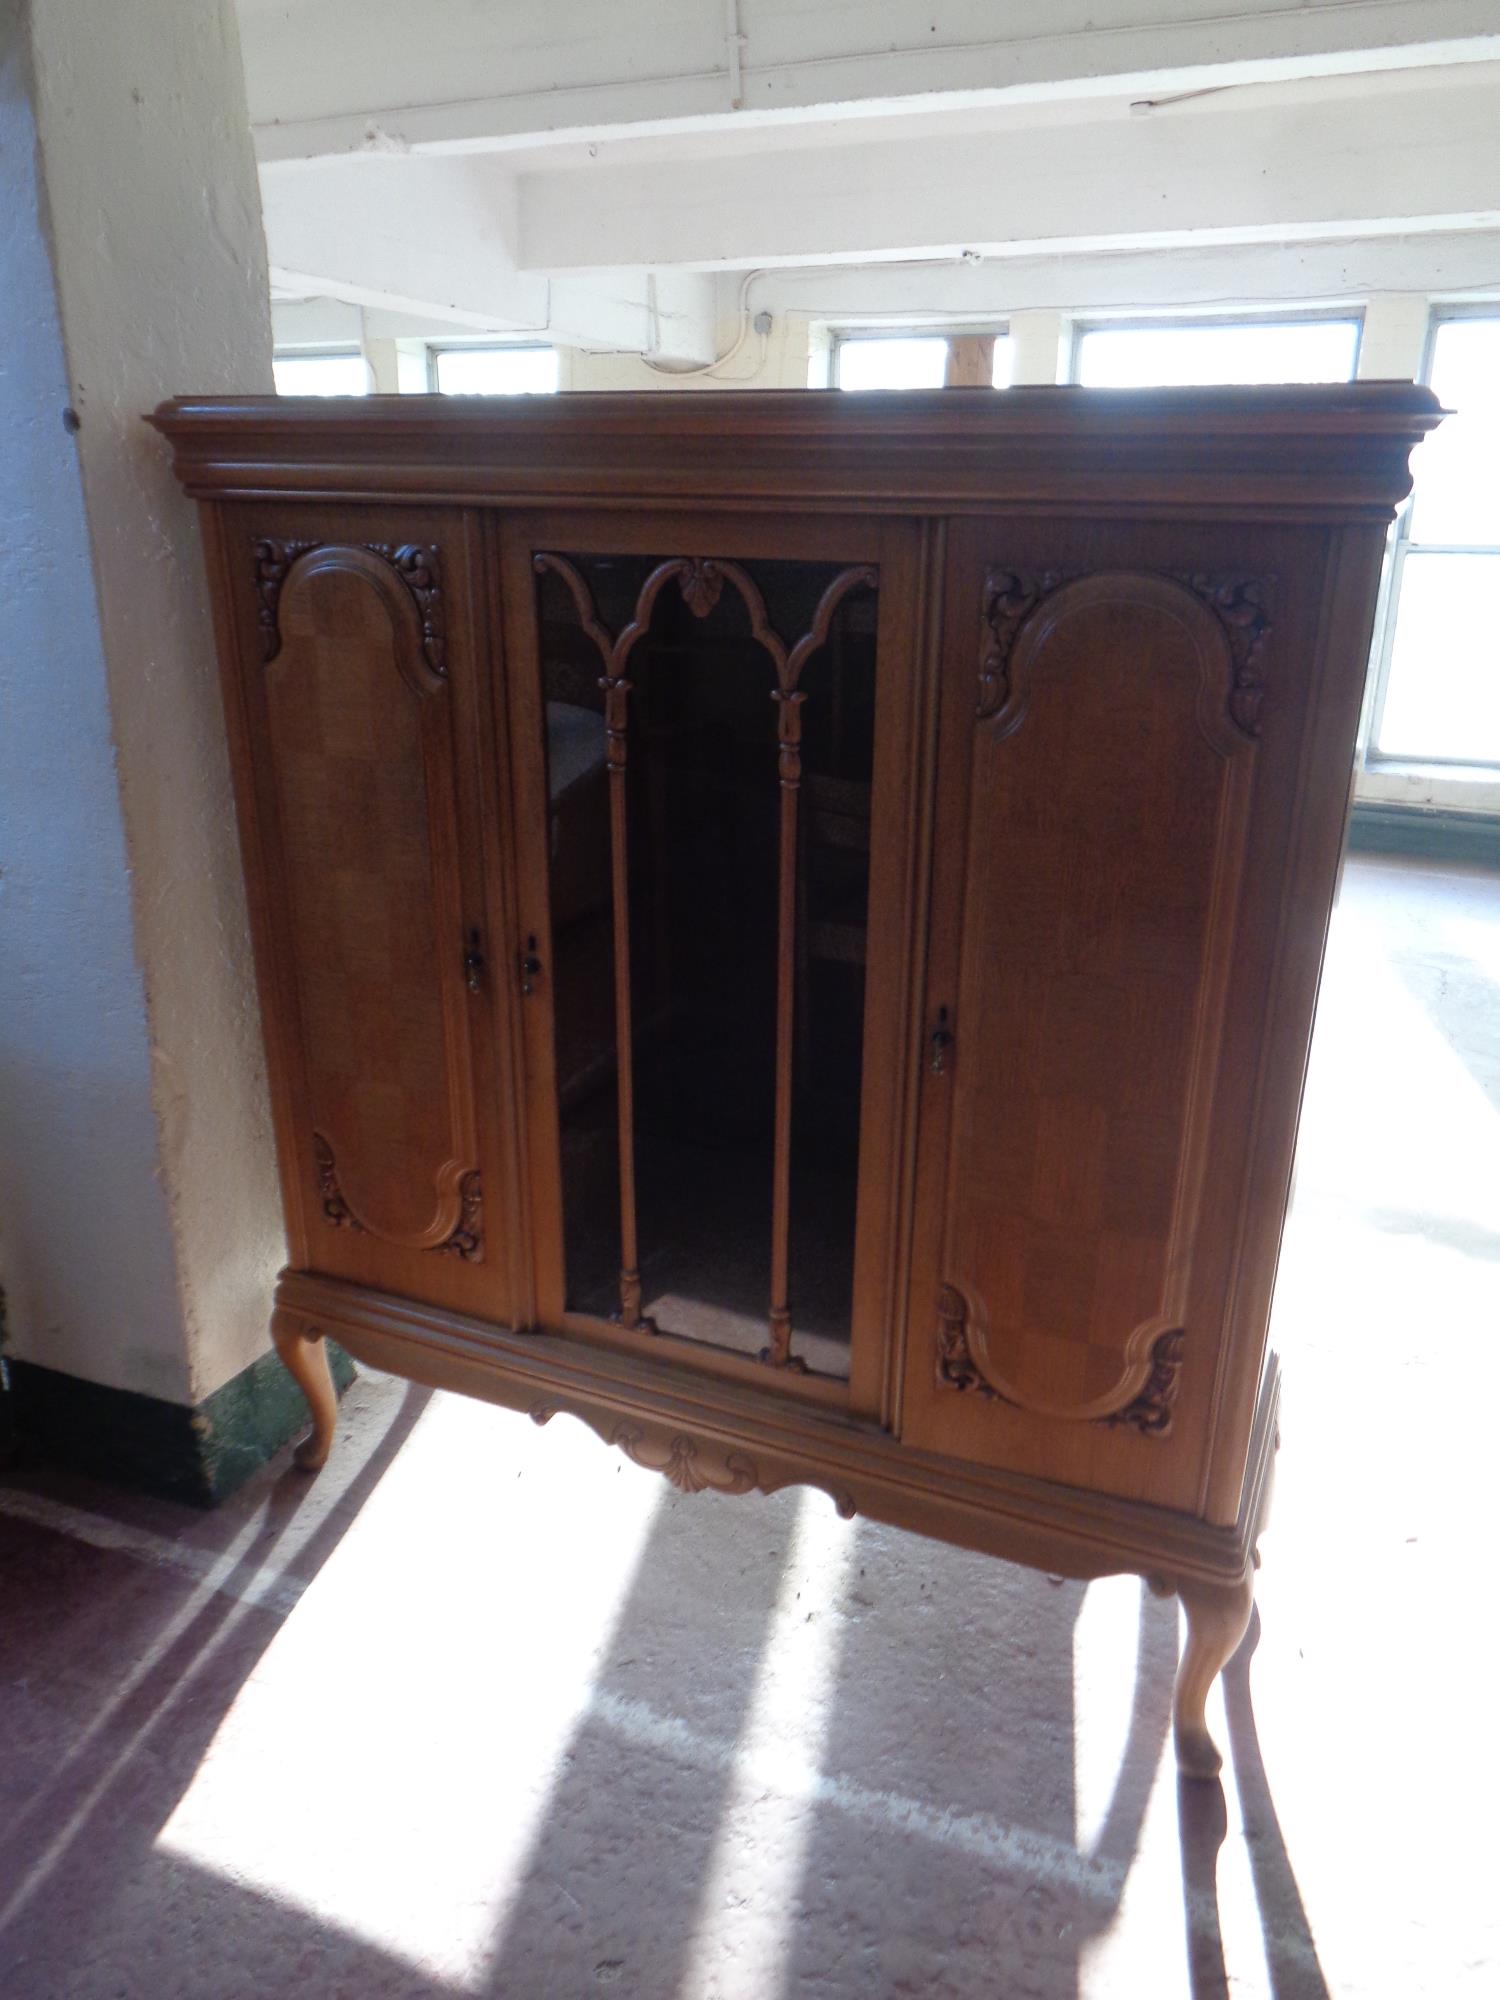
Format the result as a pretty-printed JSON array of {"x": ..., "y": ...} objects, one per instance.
[{"x": 709, "y": 892}]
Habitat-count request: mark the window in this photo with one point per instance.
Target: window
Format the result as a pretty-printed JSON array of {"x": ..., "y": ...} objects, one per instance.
[
  {"x": 341, "y": 372},
  {"x": 494, "y": 371},
  {"x": 893, "y": 363},
  {"x": 1437, "y": 695},
  {"x": 1181, "y": 355},
  {"x": 921, "y": 361}
]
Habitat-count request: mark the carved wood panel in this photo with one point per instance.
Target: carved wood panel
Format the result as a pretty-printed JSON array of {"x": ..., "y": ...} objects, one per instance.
[
  {"x": 356, "y": 706},
  {"x": 1111, "y": 753}
]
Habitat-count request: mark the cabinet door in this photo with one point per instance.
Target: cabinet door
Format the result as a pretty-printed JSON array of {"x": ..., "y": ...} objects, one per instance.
[
  {"x": 356, "y": 711},
  {"x": 712, "y": 746},
  {"x": 1103, "y": 780}
]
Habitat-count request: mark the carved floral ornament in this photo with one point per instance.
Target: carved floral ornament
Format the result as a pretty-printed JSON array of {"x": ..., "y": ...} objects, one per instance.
[
  {"x": 702, "y": 585},
  {"x": 465, "y": 1239},
  {"x": 1149, "y": 1411},
  {"x": 417, "y": 564},
  {"x": 1242, "y": 604}
]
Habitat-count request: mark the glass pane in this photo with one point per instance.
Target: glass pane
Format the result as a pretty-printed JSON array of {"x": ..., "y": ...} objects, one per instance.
[
  {"x": 1004, "y": 361},
  {"x": 1443, "y": 695},
  {"x": 496, "y": 371},
  {"x": 1457, "y": 495},
  {"x": 703, "y": 812},
  {"x": 917, "y": 363},
  {"x": 321, "y": 374},
  {"x": 1159, "y": 357}
]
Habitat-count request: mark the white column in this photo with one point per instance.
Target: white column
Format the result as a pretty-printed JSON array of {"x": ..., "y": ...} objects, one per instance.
[
  {"x": 1037, "y": 353},
  {"x": 141, "y": 1229},
  {"x": 1393, "y": 339},
  {"x": 384, "y": 363}
]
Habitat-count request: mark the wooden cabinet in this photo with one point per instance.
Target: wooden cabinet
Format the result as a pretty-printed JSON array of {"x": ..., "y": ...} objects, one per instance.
[{"x": 788, "y": 926}]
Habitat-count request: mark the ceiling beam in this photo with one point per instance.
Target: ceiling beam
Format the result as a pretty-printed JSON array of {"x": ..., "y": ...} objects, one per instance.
[
  {"x": 424, "y": 236},
  {"x": 342, "y": 76},
  {"x": 1210, "y": 278},
  {"x": 432, "y": 240},
  {"x": 1333, "y": 162}
]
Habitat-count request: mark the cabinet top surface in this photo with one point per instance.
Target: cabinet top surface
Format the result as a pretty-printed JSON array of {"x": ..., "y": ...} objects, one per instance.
[{"x": 1309, "y": 450}]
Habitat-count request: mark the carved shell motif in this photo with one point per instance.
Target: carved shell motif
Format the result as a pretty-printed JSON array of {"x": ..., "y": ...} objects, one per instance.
[
  {"x": 685, "y": 1463},
  {"x": 690, "y": 1464},
  {"x": 702, "y": 585}
]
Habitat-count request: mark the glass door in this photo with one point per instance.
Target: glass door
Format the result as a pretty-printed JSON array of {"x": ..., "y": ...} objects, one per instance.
[{"x": 699, "y": 739}]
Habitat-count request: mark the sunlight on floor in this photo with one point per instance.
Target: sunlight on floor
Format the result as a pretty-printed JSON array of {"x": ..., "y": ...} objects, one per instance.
[
  {"x": 139, "y": 1675},
  {"x": 609, "y": 1733},
  {"x": 750, "y": 1887},
  {"x": 1104, "y": 1639},
  {"x": 1387, "y": 1311},
  {"x": 393, "y": 1688}
]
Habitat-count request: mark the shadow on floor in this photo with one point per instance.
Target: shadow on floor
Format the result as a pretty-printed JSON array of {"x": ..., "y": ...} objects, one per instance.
[
  {"x": 928, "y": 1847},
  {"x": 926, "y": 1843},
  {"x": 1203, "y": 1825},
  {"x": 114, "y": 1677},
  {"x": 1462, "y": 1000}
]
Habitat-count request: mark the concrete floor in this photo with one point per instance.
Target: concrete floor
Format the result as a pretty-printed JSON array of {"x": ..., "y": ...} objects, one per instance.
[{"x": 485, "y": 1710}]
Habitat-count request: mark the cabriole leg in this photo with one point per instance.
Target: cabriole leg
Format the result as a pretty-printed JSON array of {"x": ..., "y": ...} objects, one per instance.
[
  {"x": 1218, "y": 1615},
  {"x": 305, "y": 1356}
]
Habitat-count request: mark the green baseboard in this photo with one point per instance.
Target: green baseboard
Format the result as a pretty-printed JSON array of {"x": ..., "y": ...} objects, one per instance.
[
  {"x": 196, "y": 1454},
  {"x": 1440, "y": 836}
]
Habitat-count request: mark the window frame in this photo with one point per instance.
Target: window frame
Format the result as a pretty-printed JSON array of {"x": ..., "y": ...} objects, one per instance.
[{"x": 1400, "y": 546}]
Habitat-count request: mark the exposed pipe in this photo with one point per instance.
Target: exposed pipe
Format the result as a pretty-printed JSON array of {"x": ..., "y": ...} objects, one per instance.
[{"x": 736, "y": 43}]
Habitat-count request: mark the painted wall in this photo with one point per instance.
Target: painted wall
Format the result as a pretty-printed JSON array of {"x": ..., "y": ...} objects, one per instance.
[
  {"x": 85, "y": 1237},
  {"x": 139, "y": 1226}
]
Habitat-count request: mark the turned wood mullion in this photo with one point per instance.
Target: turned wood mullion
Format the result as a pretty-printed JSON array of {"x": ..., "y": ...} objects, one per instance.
[
  {"x": 789, "y": 765},
  {"x": 616, "y": 721},
  {"x": 616, "y": 688}
]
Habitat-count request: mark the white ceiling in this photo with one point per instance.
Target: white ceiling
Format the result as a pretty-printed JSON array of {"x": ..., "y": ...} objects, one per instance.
[{"x": 526, "y": 165}]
